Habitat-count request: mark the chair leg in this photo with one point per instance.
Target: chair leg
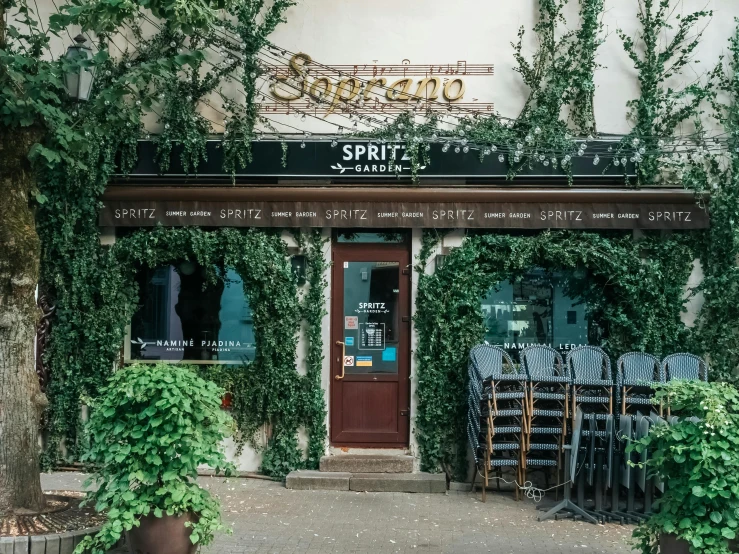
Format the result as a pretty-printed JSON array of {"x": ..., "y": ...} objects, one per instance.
[
  {"x": 485, "y": 484},
  {"x": 610, "y": 400},
  {"x": 623, "y": 401},
  {"x": 487, "y": 466},
  {"x": 517, "y": 491},
  {"x": 574, "y": 403}
]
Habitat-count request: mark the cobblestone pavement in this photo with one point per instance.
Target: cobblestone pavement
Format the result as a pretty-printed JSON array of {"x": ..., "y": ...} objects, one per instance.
[{"x": 267, "y": 518}]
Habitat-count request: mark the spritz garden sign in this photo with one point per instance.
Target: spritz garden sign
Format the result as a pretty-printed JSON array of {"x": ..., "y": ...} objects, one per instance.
[{"x": 364, "y": 159}]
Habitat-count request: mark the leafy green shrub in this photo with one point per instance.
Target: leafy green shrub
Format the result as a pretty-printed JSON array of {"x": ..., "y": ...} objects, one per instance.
[
  {"x": 149, "y": 431},
  {"x": 699, "y": 463}
]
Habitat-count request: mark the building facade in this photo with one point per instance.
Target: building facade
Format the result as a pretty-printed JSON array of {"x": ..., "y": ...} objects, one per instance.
[{"x": 343, "y": 85}]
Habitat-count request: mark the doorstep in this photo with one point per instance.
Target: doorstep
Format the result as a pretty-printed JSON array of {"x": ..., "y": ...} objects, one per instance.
[
  {"x": 366, "y": 482},
  {"x": 368, "y": 463}
]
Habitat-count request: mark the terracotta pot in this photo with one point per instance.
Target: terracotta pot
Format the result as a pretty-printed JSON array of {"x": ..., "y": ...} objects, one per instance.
[
  {"x": 226, "y": 401},
  {"x": 161, "y": 535},
  {"x": 671, "y": 544}
]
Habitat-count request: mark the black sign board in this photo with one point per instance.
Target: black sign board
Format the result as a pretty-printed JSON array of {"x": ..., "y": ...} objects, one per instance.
[
  {"x": 347, "y": 214},
  {"x": 365, "y": 159}
]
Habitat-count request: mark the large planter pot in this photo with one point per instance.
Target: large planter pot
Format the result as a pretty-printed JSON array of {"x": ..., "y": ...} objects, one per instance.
[
  {"x": 161, "y": 535},
  {"x": 670, "y": 544}
]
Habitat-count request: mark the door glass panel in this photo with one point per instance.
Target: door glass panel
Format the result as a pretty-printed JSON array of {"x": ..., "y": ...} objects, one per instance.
[{"x": 371, "y": 317}]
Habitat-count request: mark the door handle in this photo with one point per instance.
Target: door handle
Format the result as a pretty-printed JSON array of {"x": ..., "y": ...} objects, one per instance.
[{"x": 343, "y": 355}]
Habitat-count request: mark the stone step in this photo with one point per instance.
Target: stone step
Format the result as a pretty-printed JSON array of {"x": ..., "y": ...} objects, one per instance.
[
  {"x": 367, "y": 463},
  {"x": 366, "y": 482},
  {"x": 307, "y": 480},
  {"x": 398, "y": 482}
]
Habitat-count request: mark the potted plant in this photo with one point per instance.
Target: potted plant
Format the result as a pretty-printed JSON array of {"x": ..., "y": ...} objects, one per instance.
[
  {"x": 698, "y": 460},
  {"x": 223, "y": 376},
  {"x": 149, "y": 431}
]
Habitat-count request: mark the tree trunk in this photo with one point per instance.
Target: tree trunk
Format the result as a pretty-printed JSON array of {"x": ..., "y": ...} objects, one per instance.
[{"x": 21, "y": 400}]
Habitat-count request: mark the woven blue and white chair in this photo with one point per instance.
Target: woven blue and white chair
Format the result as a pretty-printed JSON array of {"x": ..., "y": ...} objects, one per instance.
[
  {"x": 496, "y": 412},
  {"x": 592, "y": 380},
  {"x": 637, "y": 373},
  {"x": 547, "y": 409},
  {"x": 684, "y": 366}
]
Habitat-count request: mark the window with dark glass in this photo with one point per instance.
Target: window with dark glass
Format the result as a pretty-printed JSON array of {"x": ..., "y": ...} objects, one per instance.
[
  {"x": 182, "y": 317},
  {"x": 541, "y": 307}
]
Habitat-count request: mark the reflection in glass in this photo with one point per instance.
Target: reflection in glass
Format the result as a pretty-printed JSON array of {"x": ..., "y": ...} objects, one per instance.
[
  {"x": 181, "y": 317},
  {"x": 541, "y": 307},
  {"x": 371, "y": 316},
  {"x": 365, "y": 237}
]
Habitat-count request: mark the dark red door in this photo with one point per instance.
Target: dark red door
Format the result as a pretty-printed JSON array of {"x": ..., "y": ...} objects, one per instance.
[{"x": 370, "y": 345}]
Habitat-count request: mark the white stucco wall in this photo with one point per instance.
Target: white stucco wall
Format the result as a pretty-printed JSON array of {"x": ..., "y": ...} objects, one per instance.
[{"x": 381, "y": 32}]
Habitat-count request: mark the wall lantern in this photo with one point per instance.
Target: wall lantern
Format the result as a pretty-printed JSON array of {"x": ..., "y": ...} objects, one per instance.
[
  {"x": 78, "y": 80},
  {"x": 439, "y": 261},
  {"x": 298, "y": 263}
]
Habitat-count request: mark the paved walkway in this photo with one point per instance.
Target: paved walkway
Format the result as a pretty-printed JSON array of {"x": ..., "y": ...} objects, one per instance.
[{"x": 267, "y": 518}]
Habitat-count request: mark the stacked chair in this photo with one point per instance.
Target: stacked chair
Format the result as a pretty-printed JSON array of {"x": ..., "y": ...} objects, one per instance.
[
  {"x": 547, "y": 408},
  {"x": 683, "y": 366},
  {"x": 574, "y": 418},
  {"x": 592, "y": 381},
  {"x": 637, "y": 373},
  {"x": 592, "y": 403},
  {"x": 496, "y": 420}
]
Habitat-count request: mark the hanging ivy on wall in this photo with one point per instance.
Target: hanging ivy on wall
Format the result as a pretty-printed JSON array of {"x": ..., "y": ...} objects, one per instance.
[
  {"x": 261, "y": 259},
  {"x": 314, "y": 311},
  {"x": 661, "y": 108},
  {"x": 717, "y": 327},
  {"x": 637, "y": 303}
]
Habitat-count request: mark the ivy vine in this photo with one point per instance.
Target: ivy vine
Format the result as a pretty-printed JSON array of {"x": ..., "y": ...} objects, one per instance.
[
  {"x": 660, "y": 107},
  {"x": 261, "y": 259},
  {"x": 717, "y": 327}
]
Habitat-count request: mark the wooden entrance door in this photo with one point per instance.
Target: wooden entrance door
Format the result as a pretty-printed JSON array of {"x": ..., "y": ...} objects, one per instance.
[{"x": 370, "y": 345}]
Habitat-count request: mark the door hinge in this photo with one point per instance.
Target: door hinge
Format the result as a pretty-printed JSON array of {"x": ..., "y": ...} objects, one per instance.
[
  {"x": 405, "y": 319},
  {"x": 406, "y": 271},
  {"x": 405, "y": 412}
]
